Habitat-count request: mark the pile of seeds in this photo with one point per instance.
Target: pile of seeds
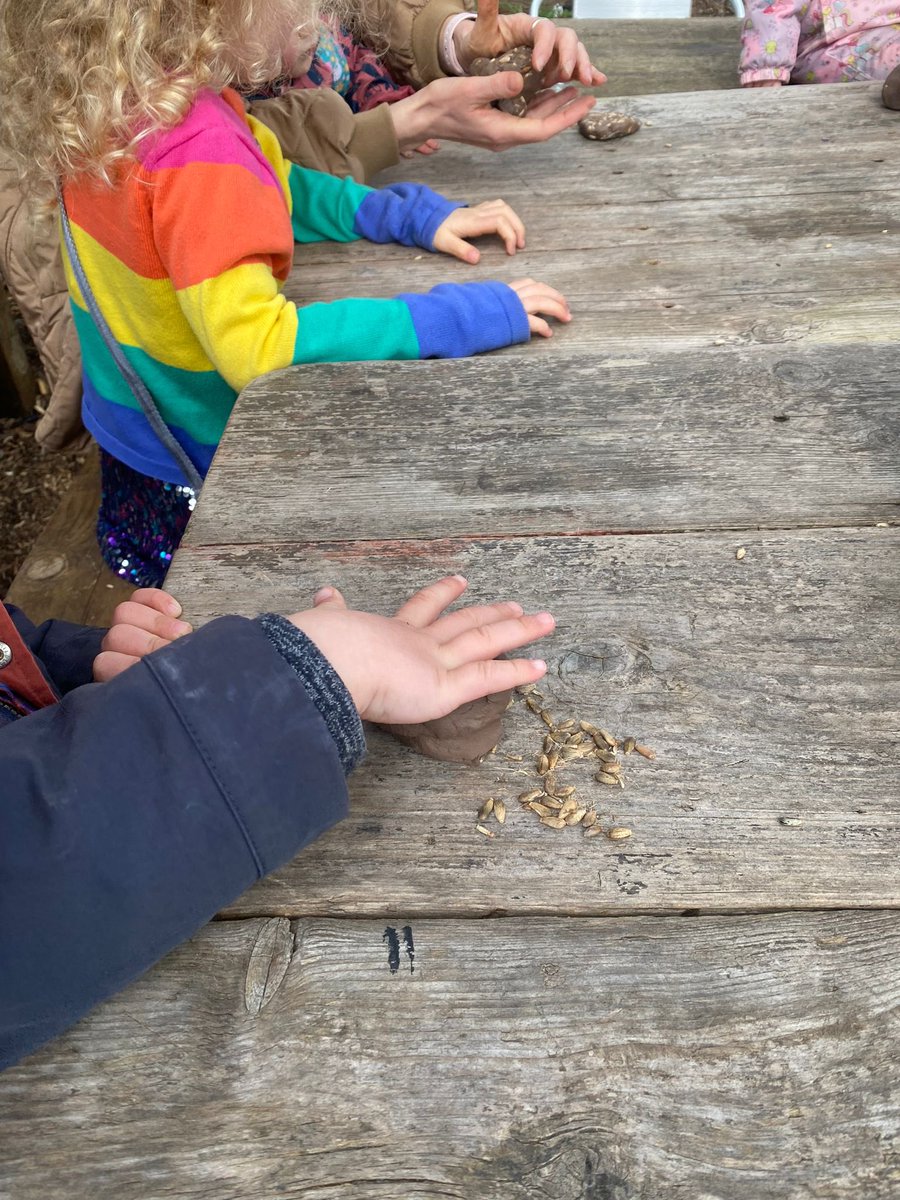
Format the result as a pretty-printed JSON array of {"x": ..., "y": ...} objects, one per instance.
[{"x": 555, "y": 805}]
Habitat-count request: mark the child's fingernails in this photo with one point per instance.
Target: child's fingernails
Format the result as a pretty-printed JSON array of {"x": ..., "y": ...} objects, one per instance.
[
  {"x": 545, "y": 618},
  {"x": 539, "y": 664},
  {"x": 323, "y": 594},
  {"x": 182, "y": 627},
  {"x": 460, "y": 579},
  {"x": 173, "y": 608}
]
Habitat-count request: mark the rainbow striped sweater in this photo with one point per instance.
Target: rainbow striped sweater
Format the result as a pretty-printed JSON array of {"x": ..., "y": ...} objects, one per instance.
[{"x": 187, "y": 255}]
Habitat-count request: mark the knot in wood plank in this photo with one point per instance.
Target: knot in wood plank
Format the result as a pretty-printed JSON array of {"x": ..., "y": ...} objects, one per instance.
[{"x": 269, "y": 962}]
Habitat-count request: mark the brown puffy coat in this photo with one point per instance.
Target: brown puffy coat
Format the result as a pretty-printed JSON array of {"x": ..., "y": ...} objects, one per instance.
[{"x": 315, "y": 128}]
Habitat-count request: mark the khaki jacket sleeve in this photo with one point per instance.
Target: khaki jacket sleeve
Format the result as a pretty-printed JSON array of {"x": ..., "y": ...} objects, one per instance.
[
  {"x": 316, "y": 129},
  {"x": 411, "y": 29},
  {"x": 31, "y": 264}
]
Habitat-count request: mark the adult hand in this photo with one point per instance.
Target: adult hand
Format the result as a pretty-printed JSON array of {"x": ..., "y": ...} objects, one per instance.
[
  {"x": 420, "y": 663},
  {"x": 493, "y": 216},
  {"x": 140, "y": 625},
  {"x": 459, "y": 110},
  {"x": 556, "y": 52}
]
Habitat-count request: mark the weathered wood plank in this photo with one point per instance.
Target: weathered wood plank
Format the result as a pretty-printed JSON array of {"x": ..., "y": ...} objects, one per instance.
[
  {"x": 64, "y": 575},
  {"x": 640, "y": 57},
  {"x": 769, "y": 687},
  {"x": 709, "y": 224},
  {"x": 661, "y": 1059},
  {"x": 574, "y": 443}
]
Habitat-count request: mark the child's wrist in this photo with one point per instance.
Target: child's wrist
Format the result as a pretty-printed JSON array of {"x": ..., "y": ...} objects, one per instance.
[{"x": 454, "y": 38}]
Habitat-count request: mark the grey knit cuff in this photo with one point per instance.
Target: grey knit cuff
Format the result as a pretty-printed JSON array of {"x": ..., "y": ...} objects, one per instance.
[{"x": 323, "y": 686}]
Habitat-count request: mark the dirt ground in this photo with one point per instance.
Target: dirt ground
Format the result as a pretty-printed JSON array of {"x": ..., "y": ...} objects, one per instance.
[{"x": 33, "y": 485}]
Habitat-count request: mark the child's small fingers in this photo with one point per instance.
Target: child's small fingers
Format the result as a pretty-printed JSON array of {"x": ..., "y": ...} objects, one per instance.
[
  {"x": 488, "y": 641},
  {"x": 329, "y": 595},
  {"x": 158, "y": 599},
  {"x": 455, "y": 623},
  {"x": 539, "y": 326},
  {"x": 424, "y": 608},
  {"x": 108, "y": 664},
  {"x": 137, "y": 615},
  {"x": 474, "y": 680},
  {"x": 133, "y": 640},
  {"x": 457, "y": 248}
]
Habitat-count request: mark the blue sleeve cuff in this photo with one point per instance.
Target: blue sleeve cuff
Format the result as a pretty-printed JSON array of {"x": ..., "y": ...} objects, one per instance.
[
  {"x": 406, "y": 213},
  {"x": 455, "y": 320},
  {"x": 323, "y": 686}
]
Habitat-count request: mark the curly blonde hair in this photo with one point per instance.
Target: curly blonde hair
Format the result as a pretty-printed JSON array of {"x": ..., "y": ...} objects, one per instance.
[{"x": 82, "y": 82}]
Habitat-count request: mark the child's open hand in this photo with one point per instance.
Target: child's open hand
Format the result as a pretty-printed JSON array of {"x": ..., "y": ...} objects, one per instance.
[
  {"x": 494, "y": 216},
  {"x": 541, "y": 298},
  {"x": 140, "y": 625},
  {"x": 421, "y": 664}
]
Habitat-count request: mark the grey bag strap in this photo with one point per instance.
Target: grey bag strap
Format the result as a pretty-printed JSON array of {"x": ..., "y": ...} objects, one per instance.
[{"x": 134, "y": 381}]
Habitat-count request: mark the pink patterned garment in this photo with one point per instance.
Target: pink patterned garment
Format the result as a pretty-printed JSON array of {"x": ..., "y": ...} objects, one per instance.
[{"x": 808, "y": 41}]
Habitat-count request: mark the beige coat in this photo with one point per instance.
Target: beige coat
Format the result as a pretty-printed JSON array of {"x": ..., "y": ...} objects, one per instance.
[{"x": 315, "y": 128}]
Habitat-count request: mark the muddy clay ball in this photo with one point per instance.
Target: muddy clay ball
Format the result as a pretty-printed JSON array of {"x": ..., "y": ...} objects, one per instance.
[
  {"x": 604, "y": 126},
  {"x": 517, "y": 59}
]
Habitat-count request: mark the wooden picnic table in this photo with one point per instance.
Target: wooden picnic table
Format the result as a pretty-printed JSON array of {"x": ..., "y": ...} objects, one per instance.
[{"x": 412, "y": 1010}]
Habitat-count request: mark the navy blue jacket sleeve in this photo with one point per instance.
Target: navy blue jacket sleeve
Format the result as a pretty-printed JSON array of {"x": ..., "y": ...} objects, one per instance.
[
  {"x": 65, "y": 651},
  {"x": 132, "y": 811}
]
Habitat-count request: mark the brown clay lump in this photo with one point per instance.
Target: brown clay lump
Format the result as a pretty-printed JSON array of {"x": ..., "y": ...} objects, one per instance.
[
  {"x": 604, "y": 126},
  {"x": 517, "y": 59}
]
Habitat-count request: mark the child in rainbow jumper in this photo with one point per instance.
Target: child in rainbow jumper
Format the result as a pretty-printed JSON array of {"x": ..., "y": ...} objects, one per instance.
[
  {"x": 789, "y": 41},
  {"x": 184, "y": 214}
]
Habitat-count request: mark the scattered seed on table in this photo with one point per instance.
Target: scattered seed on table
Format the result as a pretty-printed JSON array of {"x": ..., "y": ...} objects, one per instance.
[
  {"x": 628, "y": 745},
  {"x": 606, "y": 737},
  {"x": 587, "y": 727},
  {"x": 527, "y": 797},
  {"x": 604, "y": 777},
  {"x": 589, "y": 819},
  {"x": 542, "y": 810},
  {"x": 553, "y": 822},
  {"x": 486, "y": 832},
  {"x": 618, "y": 833},
  {"x": 549, "y": 743},
  {"x": 543, "y": 765},
  {"x": 500, "y": 811},
  {"x": 569, "y": 806},
  {"x": 533, "y": 704},
  {"x": 740, "y": 553},
  {"x": 486, "y": 809},
  {"x": 789, "y": 821},
  {"x": 612, "y": 768},
  {"x": 576, "y": 817},
  {"x": 644, "y": 751},
  {"x": 547, "y": 718},
  {"x": 565, "y": 726},
  {"x": 606, "y": 756},
  {"x": 593, "y": 831}
]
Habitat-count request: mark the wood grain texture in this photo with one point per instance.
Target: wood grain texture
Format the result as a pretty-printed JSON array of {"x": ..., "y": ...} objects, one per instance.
[
  {"x": 747, "y": 437},
  {"x": 664, "y": 1059},
  {"x": 769, "y": 687},
  {"x": 643, "y": 57},
  {"x": 712, "y": 223},
  {"x": 64, "y": 576}
]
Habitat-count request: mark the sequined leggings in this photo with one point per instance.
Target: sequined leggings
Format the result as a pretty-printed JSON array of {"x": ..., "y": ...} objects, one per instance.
[{"x": 140, "y": 522}]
